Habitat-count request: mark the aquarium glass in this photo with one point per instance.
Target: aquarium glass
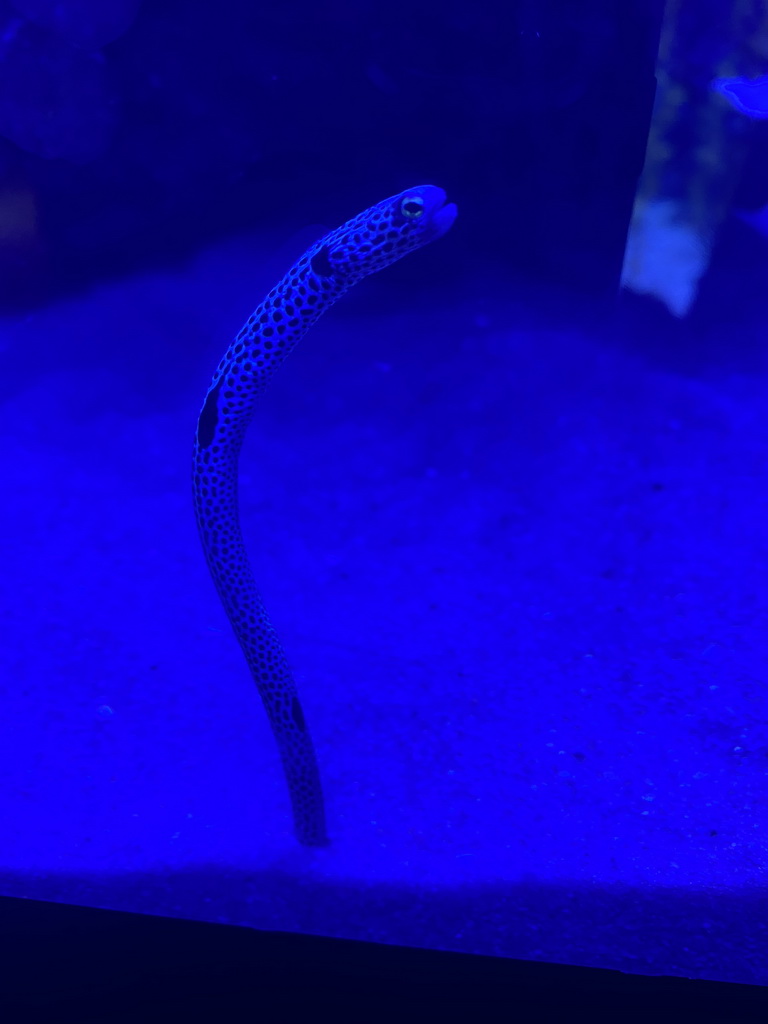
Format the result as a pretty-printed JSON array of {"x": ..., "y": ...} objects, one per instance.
[{"x": 385, "y": 471}]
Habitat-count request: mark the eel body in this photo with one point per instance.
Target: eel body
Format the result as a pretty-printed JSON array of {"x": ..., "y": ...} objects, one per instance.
[{"x": 367, "y": 243}]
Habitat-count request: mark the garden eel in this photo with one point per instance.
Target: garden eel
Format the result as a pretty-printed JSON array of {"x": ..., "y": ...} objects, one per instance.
[{"x": 367, "y": 243}]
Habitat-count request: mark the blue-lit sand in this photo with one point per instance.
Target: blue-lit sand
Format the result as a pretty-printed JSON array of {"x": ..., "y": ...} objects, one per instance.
[{"x": 521, "y": 577}]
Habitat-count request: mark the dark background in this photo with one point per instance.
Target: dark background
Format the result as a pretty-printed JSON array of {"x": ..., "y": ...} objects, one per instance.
[{"x": 133, "y": 132}]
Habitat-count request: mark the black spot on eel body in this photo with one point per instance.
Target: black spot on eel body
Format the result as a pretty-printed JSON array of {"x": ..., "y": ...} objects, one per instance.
[
  {"x": 298, "y": 714},
  {"x": 367, "y": 243},
  {"x": 209, "y": 416},
  {"x": 321, "y": 262}
]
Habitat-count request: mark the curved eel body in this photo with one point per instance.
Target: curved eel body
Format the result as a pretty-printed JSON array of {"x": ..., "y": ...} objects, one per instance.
[{"x": 367, "y": 243}]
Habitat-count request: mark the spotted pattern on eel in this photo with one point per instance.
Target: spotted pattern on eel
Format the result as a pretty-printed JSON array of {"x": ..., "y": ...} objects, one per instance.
[{"x": 367, "y": 243}]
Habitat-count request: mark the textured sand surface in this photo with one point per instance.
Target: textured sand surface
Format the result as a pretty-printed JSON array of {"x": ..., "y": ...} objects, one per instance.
[{"x": 520, "y": 575}]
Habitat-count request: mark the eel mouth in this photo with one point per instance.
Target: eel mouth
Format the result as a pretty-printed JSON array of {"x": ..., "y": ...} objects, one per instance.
[{"x": 442, "y": 217}]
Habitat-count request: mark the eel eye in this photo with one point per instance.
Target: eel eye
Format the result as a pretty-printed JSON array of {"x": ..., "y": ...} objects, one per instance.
[{"x": 412, "y": 208}]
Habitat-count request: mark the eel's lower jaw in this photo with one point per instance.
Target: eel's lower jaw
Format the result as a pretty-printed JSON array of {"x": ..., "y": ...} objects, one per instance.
[{"x": 442, "y": 219}]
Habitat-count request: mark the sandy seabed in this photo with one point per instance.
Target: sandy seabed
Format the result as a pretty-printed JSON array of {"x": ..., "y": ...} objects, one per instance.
[{"x": 520, "y": 575}]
